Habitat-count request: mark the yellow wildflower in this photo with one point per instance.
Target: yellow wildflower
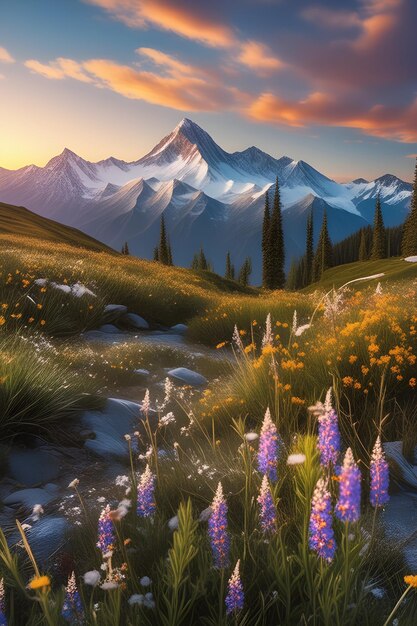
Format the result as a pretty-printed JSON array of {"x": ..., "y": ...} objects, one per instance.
[
  {"x": 411, "y": 580},
  {"x": 39, "y": 582}
]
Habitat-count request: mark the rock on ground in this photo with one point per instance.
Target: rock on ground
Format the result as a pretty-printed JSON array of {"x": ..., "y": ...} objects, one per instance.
[{"x": 187, "y": 377}]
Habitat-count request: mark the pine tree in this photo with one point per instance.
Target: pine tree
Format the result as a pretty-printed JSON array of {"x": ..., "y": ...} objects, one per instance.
[
  {"x": 230, "y": 270},
  {"x": 266, "y": 225},
  {"x": 409, "y": 239},
  {"x": 202, "y": 261},
  {"x": 324, "y": 253},
  {"x": 194, "y": 262},
  {"x": 275, "y": 249},
  {"x": 292, "y": 276},
  {"x": 156, "y": 254},
  {"x": 163, "y": 254},
  {"x": 309, "y": 255},
  {"x": 245, "y": 272},
  {"x": 170, "y": 261},
  {"x": 363, "y": 248},
  {"x": 378, "y": 250}
]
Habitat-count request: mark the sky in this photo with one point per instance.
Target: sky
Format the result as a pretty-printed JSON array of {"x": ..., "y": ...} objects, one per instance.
[{"x": 333, "y": 83}]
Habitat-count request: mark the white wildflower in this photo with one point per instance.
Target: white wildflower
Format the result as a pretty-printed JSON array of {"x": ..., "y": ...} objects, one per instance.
[
  {"x": 146, "y": 403},
  {"x": 92, "y": 577},
  {"x": 145, "y": 581},
  {"x": 169, "y": 418},
  {"x": 296, "y": 459},
  {"x": 173, "y": 523},
  {"x": 251, "y": 436},
  {"x": 122, "y": 480},
  {"x": 109, "y": 584},
  {"x": 74, "y": 484},
  {"x": 136, "y": 598},
  {"x": 294, "y": 322},
  {"x": 301, "y": 329},
  {"x": 237, "y": 340}
]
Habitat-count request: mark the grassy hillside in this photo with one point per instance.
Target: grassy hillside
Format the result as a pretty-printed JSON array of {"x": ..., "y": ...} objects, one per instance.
[
  {"x": 16, "y": 220},
  {"x": 394, "y": 269}
]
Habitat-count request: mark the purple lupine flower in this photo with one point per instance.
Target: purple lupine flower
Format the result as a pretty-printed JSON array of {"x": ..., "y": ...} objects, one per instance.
[
  {"x": 267, "y": 509},
  {"x": 269, "y": 445},
  {"x": 348, "y": 506},
  {"x": 235, "y": 597},
  {"x": 3, "y": 619},
  {"x": 321, "y": 536},
  {"x": 217, "y": 530},
  {"x": 379, "y": 476},
  {"x": 329, "y": 435},
  {"x": 146, "y": 499},
  {"x": 106, "y": 536},
  {"x": 72, "y": 609}
]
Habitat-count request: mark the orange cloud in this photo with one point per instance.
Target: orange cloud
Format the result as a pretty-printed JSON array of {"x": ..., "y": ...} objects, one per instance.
[
  {"x": 187, "y": 22},
  {"x": 5, "y": 56},
  {"x": 398, "y": 123},
  {"x": 59, "y": 69},
  {"x": 178, "y": 85},
  {"x": 257, "y": 56},
  {"x": 171, "y": 64}
]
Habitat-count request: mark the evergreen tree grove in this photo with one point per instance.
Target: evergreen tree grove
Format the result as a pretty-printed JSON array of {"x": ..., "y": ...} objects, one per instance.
[
  {"x": 309, "y": 255},
  {"x": 275, "y": 249},
  {"x": 266, "y": 273},
  {"x": 363, "y": 248},
  {"x": 245, "y": 272},
  {"x": 163, "y": 252},
  {"x": 409, "y": 239},
  {"x": 230, "y": 270},
  {"x": 378, "y": 250},
  {"x": 324, "y": 253}
]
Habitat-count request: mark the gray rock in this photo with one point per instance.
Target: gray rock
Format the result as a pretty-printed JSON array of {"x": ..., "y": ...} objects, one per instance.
[
  {"x": 132, "y": 320},
  {"x": 29, "y": 497},
  {"x": 109, "y": 329},
  {"x": 33, "y": 466},
  {"x": 187, "y": 377},
  {"x": 112, "y": 312},
  {"x": 141, "y": 372},
  {"x": 179, "y": 329}
]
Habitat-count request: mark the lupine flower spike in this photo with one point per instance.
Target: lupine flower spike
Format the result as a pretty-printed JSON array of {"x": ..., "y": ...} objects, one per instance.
[
  {"x": 3, "y": 620},
  {"x": 72, "y": 609},
  {"x": 321, "y": 536},
  {"x": 267, "y": 509},
  {"x": 269, "y": 445},
  {"x": 379, "y": 476},
  {"x": 106, "y": 536},
  {"x": 349, "y": 504},
  {"x": 235, "y": 597},
  {"x": 267, "y": 339},
  {"x": 329, "y": 435},
  {"x": 146, "y": 500},
  {"x": 217, "y": 529}
]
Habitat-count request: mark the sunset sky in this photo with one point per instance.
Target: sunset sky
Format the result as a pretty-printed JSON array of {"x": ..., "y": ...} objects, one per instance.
[{"x": 332, "y": 83}]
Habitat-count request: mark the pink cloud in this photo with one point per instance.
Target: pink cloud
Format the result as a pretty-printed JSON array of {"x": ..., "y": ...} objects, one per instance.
[
  {"x": 5, "y": 56},
  {"x": 258, "y": 57},
  {"x": 59, "y": 69}
]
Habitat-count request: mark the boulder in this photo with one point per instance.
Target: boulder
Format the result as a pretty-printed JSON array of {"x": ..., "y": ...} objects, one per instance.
[
  {"x": 48, "y": 536},
  {"x": 394, "y": 453},
  {"x": 187, "y": 377},
  {"x": 112, "y": 312},
  {"x": 27, "y": 498},
  {"x": 134, "y": 321},
  {"x": 109, "y": 329},
  {"x": 33, "y": 466},
  {"x": 399, "y": 522},
  {"x": 179, "y": 329}
]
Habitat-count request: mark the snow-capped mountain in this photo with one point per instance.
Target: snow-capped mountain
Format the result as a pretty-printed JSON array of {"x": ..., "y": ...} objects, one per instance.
[{"x": 208, "y": 196}]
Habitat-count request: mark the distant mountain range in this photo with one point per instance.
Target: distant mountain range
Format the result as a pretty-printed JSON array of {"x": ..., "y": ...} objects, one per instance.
[{"x": 209, "y": 197}]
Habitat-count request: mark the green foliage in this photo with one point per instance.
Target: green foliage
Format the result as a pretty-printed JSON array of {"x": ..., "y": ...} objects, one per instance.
[
  {"x": 378, "y": 249},
  {"x": 266, "y": 224},
  {"x": 37, "y": 390},
  {"x": 309, "y": 254},
  {"x": 409, "y": 241}
]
